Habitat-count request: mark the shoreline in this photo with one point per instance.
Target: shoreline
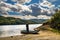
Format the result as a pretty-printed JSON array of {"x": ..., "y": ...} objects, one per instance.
[
  {"x": 10, "y": 36},
  {"x": 43, "y": 35}
]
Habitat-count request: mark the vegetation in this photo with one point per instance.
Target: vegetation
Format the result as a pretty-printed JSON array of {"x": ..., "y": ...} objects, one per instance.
[
  {"x": 54, "y": 22},
  {"x": 13, "y": 21}
]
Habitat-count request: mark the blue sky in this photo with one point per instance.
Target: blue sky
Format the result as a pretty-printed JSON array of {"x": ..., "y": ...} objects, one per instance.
[
  {"x": 57, "y": 2},
  {"x": 9, "y": 1},
  {"x": 33, "y": 1}
]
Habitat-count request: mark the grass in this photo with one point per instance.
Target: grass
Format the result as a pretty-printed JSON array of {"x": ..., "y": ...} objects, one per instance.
[
  {"x": 55, "y": 31},
  {"x": 48, "y": 28}
]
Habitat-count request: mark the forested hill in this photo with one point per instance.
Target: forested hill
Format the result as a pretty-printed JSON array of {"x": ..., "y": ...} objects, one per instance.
[
  {"x": 13, "y": 21},
  {"x": 17, "y": 21}
]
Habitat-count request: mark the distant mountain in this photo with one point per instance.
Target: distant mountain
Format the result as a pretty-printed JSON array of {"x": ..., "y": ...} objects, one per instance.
[
  {"x": 14, "y": 21},
  {"x": 17, "y": 21},
  {"x": 39, "y": 21}
]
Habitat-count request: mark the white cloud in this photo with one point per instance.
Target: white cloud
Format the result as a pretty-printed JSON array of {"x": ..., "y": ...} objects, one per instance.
[
  {"x": 45, "y": 3},
  {"x": 33, "y": 11},
  {"x": 2, "y": 11},
  {"x": 28, "y": 17},
  {"x": 21, "y": 1},
  {"x": 4, "y": 8},
  {"x": 43, "y": 17},
  {"x": 47, "y": 6},
  {"x": 43, "y": 8},
  {"x": 23, "y": 8},
  {"x": 36, "y": 17},
  {"x": 15, "y": 8}
]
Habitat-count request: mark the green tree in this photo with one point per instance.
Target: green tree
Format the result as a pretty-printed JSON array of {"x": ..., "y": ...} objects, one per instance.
[{"x": 55, "y": 21}]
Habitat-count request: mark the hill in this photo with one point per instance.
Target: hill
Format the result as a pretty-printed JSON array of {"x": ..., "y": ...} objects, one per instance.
[
  {"x": 13, "y": 21},
  {"x": 16, "y": 21}
]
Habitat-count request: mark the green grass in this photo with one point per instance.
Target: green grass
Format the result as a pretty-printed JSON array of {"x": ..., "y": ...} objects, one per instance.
[{"x": 55, "y": 31}]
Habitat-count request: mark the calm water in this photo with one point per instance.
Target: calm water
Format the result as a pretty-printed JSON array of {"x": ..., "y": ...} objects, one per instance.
[{"x": 13, "y": 30}]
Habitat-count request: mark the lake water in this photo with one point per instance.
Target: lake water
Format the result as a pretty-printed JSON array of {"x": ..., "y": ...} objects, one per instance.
[{"x": 13, "y": 30}]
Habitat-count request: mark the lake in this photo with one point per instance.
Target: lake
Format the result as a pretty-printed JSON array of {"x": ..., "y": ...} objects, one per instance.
[{"x": 13, "y": 30}]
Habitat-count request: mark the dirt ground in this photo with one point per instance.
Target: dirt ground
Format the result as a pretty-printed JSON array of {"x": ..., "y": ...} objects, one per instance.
[{"x": 43, "y": 35}]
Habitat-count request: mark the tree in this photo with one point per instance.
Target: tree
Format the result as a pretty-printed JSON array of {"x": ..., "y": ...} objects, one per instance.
[{"x": 55, "y": 21}]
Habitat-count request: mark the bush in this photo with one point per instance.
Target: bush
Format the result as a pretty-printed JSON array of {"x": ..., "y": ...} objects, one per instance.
[{"x": 55, "y": 21}]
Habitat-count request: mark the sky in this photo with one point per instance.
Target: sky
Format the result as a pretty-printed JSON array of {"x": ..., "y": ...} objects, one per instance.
[
  {"x": 56, "y": 2},
  {"x": 29, "y": 9}
]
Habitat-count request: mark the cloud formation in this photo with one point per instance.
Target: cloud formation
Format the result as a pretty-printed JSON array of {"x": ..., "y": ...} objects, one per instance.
[
  {"x": 47, "y": 6},
  {"x": 42, "y": 10},
  {"x": 45, "y": 3},
  {"x": 21, "y": 1},
  {"x": 28, "y": 17},
  {"x": 23, "y": 8},
  {"x": 14, "y": 8}
]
